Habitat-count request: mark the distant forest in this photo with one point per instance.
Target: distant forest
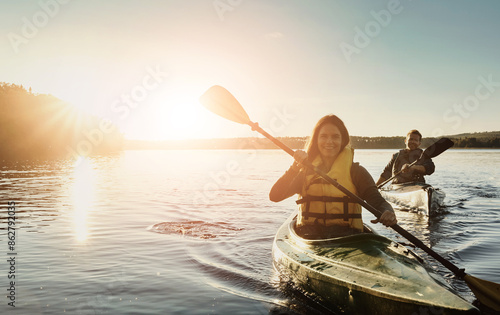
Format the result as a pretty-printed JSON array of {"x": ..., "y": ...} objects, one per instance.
[
  {"x": 474, "y": 140},
  {"x": 471, "y": 140},
  {"x": 41, "y": 126}
]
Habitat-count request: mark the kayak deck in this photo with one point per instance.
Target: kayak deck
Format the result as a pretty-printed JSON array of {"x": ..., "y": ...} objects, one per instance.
[
  {"x": 415, "y": 197},
  {"x": 364, "y": 273}
]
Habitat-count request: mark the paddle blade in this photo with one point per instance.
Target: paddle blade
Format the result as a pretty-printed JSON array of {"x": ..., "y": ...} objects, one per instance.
[
  {"x": 486, "y": 292},
  {"x": 437, "y": 148},
  {"x": 219, "y": 101}
]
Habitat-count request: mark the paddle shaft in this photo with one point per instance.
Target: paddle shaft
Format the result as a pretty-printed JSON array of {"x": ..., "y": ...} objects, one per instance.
[
  {"x": 433, "y": 150},
  {"x": 394, "y": 176},
  {"x": 457, "y": 271},
  {"x": 256, "y": 127},
  {"x": 220, "y": 101}
]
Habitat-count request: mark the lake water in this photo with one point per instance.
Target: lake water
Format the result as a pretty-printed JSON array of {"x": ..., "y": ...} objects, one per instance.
[{"x": 190, "y": 232}]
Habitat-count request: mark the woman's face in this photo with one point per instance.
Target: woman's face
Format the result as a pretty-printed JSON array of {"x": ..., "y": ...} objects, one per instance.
[{"x": 329, "y": 141}]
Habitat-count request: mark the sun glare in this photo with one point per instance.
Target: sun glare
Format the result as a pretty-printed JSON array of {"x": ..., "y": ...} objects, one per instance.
[
  {"x": 179, "y": 117},
  {"x": 83, "y": 197}
]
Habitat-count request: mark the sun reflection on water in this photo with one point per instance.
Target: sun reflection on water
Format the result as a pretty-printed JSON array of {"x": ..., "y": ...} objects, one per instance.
[{"x": 83, "y": 196}]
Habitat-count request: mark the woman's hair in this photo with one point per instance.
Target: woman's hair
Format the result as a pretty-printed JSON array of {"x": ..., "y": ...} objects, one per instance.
[{"x": 312, "y": 144}]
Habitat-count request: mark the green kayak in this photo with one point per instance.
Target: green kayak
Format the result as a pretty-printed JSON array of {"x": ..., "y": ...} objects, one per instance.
[{"x": 364, "y": 273}]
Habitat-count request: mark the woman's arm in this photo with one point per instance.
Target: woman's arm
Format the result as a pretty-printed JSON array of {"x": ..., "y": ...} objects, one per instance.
[
  {"x": 368, "y": 191},
  {"x": 287, "y": 185}
]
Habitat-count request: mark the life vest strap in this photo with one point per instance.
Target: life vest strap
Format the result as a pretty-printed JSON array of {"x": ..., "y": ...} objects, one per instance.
[
  {"x": 328, "y": 216},
  {"x": 305, "y": 199}
]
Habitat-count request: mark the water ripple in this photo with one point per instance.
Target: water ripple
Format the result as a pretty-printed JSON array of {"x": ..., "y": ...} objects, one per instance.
[{"x": 195, "y": 229}]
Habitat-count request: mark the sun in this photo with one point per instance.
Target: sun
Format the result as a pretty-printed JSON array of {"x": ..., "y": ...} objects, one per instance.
[
  {"x": 179, "y": 117},
  {"x": 174, "y": 114},
  {"x": 183, "y": 119}
]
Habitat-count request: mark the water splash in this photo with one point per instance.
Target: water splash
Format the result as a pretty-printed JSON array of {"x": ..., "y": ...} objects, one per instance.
[{"x": 195, "y": 229}]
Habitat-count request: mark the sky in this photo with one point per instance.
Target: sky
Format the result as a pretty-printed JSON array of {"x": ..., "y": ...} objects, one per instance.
[{"x": 383, "y": 67}]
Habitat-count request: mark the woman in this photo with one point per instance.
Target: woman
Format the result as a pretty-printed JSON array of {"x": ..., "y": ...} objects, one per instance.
[{"x": 324, "y": 211}]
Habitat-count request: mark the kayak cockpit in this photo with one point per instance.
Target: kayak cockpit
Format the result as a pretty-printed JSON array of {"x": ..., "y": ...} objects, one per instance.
[{"x": 363, "y": 273}]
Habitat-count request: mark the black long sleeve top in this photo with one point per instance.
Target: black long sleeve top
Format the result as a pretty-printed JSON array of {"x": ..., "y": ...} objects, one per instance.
[
  {"x": 405, "y": 156},
  {"x": 292, "y": 181}
]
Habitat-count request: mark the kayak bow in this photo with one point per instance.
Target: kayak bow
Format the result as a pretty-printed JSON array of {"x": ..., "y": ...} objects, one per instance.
[
  {"x": 415, "y": 197},
  {"x": 364, "y": 273}
]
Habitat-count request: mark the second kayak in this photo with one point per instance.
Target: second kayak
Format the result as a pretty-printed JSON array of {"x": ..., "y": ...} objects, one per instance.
[{"x": 415, "y": 197}]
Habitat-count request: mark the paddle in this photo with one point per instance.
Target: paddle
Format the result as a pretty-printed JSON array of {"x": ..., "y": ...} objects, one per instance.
[
  {"x": 218, "y": 100},
  {"x": 433, "y": 150}
]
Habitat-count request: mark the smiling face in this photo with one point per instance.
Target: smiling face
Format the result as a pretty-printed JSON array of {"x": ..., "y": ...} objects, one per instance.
[
  {"x": 329, "y": 142},
  {"x": 412, "y": 141}
]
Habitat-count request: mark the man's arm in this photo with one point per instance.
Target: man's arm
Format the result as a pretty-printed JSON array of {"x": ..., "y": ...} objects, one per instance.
[
  {"x": 426, "y": 167},
  {"x": 387, "y": 172},
  {"x": 380, "y": 180}
]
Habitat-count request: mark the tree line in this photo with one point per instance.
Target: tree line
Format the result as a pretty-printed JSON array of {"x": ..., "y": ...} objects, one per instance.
[
  {"x": 399, "y": 142},
  {"x": 41, "y": 126},
  {"x": 358, "y": 142},
  {"x": 294, "y": 143}
]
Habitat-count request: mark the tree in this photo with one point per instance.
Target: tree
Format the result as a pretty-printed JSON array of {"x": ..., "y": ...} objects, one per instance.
[{"x": 41, "y": 126}]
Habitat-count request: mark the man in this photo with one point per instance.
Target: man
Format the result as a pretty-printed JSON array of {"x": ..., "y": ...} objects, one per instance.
[{"x": 401, "y": 162}]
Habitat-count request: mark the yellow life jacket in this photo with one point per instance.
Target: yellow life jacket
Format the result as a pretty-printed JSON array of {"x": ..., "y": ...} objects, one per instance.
[{"x": 322, "y": 203}]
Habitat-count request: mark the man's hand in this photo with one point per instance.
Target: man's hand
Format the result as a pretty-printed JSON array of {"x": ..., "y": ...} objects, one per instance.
[
  {"x": 406, "y": 168},
  {"x": 414, "y": 168}
]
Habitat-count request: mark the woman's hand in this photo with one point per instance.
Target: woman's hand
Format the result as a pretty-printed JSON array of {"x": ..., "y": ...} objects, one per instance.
[
  {"x": 387, "y": 218},
  {"x": 299, "y": 156}
]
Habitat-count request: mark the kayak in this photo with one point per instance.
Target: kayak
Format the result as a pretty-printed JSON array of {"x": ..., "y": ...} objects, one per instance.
[
  {"x": 415, "y": 197},
  {"x": 364, "y": 273}
]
